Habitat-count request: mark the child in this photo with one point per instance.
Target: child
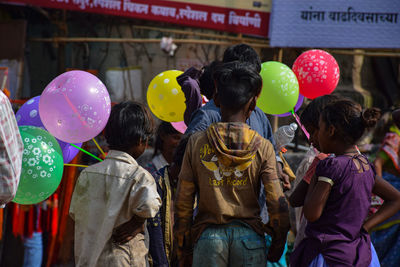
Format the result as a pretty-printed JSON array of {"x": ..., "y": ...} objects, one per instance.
[
  {"x": 339, "y": 194},
  {"x": 160, "y": 227},
  {"x": 309, "y": 118},
  {"x": 113, "y": 198},
  {"x": 194, "y": 84},
  {"x": 387, "y": 165},
  {"x": 167, "y": 140},
  {"x": 224, "y": 166}
]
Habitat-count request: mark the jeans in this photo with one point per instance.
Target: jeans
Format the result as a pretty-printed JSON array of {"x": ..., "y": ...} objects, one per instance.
[
  {"x": 33, "y": 252},
  {"x": 233, "y": 244}
]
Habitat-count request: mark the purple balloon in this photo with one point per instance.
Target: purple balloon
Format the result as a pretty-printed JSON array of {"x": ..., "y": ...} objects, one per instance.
[
  {"x": 75, "y": 106},
  {"x": 28, "y": 114},
  {"x": 296, "y": 107}
]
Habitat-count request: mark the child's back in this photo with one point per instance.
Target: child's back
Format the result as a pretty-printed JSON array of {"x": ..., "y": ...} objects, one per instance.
[
  {"x": 225, "y": 166},
  {"x": 227, "y": 162},
  {"x": 336, "y": 234},
  {"x": 114, "y": 192}
]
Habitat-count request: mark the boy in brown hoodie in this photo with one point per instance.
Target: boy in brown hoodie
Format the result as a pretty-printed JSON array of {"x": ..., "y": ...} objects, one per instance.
[{"x": 225, "y": 166}]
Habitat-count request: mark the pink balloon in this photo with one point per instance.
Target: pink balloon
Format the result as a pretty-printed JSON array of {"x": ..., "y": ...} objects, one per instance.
[
  {"x": 180, "y": 126},
  {"x": 317, "y": 72},
  {"x": 75, "y": 106}
]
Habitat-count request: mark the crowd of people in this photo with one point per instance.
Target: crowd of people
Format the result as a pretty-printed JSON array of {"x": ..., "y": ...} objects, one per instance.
[{"x": 220, "y": 194}]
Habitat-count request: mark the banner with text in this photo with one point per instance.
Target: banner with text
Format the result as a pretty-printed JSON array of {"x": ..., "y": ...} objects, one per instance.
[
  {"x": 253, "y": 21},
  {"x": 335, "y": 24}
]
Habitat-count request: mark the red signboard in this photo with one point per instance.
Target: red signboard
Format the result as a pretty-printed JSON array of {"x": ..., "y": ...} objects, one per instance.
[{"x": 249, "y": 22}]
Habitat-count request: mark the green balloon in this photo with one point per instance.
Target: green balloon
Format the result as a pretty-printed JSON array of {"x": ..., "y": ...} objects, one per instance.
[
  {"x": 42, "y": 166},
  {"x": 280, "y": 89}
]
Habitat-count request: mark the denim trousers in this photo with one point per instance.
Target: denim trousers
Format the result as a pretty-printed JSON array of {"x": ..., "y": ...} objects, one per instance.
[
  {"x": 233, "y": 244},
  {"x": 33, "y": 250}
]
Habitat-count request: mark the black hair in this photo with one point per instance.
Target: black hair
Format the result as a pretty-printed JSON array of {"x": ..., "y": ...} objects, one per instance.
[
  {"x": 236, "y": 83},
  {"x": 243, "y": 53},
  {"x": 349, "y": 120},
  {"x": 207, "y": 86},
  {"x": 310, "y": 115},
  {"x": 180, "y": 150},
  {"x": 165, "y": 128},
  {"x": 130, "y": 123}
]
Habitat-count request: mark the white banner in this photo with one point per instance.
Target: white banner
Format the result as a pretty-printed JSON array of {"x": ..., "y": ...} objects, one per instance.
[{"x": 335, "y": 24}]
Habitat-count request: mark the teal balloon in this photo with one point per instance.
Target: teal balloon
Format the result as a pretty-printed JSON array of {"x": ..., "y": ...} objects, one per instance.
[
  {"x": 280, "y": 89},
  {"x": 42, "y": 166}
]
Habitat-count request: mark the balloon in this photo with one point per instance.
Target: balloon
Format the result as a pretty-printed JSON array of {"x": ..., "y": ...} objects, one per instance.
[
  {"x": 75, "y": 106},
  {"x": 180, "y": 126},
  {"x": 165, "y": 97},
  {"x": 317, "y": 72},
  {"x": 280, "y": 90},
  {"x": 42, "y": 166},
  {"x": 296, "y": 107},
  {"x": 28, "y": 114}
]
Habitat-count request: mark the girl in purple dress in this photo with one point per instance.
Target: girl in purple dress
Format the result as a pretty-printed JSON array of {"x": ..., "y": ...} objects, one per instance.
[{"x": 339, "y": 195}]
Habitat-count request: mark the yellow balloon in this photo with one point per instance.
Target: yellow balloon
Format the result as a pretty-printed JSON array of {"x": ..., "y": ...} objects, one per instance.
[{"x": 165, "y": 97}]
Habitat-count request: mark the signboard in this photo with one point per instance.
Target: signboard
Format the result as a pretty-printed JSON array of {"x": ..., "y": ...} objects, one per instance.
[
  {"x": 335, "y": 24},
  {"x": 217, "y": 15}
]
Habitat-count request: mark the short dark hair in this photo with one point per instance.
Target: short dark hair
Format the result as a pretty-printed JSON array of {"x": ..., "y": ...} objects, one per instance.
[
  {"x": 236, "y": 83},
  {"x": 310, "y": 115},
  {"x": 130, "y": 123},
  {"x": 165, "y": 128},
  {"x": 207, "y": 86},
  {"x": 349, "y": 119},
  {"x": 243, "y": 53}
]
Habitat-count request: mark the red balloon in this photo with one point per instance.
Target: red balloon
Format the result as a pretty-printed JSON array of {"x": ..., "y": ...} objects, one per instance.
[{"x": 317, "y": 72}]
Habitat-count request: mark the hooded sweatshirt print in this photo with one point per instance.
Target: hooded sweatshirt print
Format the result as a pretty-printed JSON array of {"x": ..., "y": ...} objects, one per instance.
[{"x": 223, "y": 166}]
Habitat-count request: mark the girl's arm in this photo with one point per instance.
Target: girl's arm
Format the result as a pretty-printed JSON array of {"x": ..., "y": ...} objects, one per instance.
[
  {"x": 296, "y": 199},
  {"x": 317, "y": 195},
  {"x": 378, "y": 163},
  {"x": 391, "y": 205}
]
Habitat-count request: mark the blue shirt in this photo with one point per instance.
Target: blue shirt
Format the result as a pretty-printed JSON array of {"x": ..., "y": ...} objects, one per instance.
[{"x": 209, "y": 113}]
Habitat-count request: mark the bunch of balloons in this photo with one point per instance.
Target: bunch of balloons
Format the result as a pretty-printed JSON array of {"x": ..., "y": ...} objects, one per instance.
[
  {"x": 314, "y": 73},
  {"x": 73, "y": 108}
]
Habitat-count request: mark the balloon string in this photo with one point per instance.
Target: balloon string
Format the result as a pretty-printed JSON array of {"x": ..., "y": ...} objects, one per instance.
[
  {"x": 75, "y": 165},
  {"x": 74, "y": 109},
  {"x": 301, "y": 125},
  {"x": 84, "y": 151},
  {"x": 97, "y": 144}
]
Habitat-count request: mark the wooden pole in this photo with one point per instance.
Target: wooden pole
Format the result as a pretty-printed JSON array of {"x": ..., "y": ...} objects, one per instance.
[
  {"x": 275, "y": 122},
  {"x": 239, "y": 38},
  {"x": 135, "y": 40}
]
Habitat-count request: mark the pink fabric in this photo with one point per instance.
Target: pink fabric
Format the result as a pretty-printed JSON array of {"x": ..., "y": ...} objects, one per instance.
[
  {"x": 311, "y": 170},
  {"x": 11, "y": 148}
]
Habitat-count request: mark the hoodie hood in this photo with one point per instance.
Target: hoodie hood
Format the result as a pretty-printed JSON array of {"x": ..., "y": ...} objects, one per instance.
[{"x": 235, "y": 144}]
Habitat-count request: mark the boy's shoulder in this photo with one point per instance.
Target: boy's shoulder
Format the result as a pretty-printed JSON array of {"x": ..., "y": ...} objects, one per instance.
[{"x": 115, "y": 167}]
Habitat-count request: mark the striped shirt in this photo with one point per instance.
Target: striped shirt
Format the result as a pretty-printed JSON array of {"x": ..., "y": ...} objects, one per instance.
[{"x": 11, "y": 148}]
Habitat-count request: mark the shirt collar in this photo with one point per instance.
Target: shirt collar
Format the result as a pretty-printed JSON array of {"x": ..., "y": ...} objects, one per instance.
[{"x": 122, "y": 156}]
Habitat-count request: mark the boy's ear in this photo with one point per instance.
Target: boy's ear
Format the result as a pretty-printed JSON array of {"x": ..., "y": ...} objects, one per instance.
[
  {"x": 331, "y": 130},
  {"x": 253, "y": 103},
  {"x": 216, "y": 99}
]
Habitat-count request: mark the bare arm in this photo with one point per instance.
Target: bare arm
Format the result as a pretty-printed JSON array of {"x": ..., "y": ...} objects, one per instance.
[
  {"x": 379, "y": 161},
  {"x": 317, "y": 195},
  {"x": 391, "y": 196},
  {"x": 296, "y": 199}
]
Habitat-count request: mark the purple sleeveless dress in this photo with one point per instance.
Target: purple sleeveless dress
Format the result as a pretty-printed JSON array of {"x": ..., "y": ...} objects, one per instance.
[{"x": 338, "y": 234}]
